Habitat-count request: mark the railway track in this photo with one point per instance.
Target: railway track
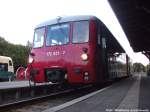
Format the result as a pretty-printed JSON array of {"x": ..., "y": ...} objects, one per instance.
[
  {"x": 64, "y": 95},
  {"x": 56, "y": 97}
]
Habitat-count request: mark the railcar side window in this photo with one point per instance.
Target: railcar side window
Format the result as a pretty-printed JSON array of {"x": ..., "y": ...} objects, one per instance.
[
  {"x": 3, "y": 67},
  {"x": 39, "y": 37},
  {"x": 58, "y": 34},
  {"x": 99, "y": 39},
  {"x": 103, "y": 42},
  {"x": 80, "y": 32},
  {"x": 10, "y": 63}
]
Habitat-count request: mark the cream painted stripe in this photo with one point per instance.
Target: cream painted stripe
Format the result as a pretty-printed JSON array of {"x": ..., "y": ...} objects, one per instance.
[
  {"x": 131, "y": 100},
  {"x": 67, "y": 104}
]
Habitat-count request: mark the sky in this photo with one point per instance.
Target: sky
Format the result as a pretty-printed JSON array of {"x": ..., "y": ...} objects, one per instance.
[{"x": 18, "y": 19}]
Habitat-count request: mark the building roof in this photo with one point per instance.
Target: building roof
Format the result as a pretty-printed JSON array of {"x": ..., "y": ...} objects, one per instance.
[{"x": 134, "y": 17}]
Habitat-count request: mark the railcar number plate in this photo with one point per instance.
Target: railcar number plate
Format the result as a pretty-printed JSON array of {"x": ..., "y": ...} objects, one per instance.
[{"x": 55, "y": 53}]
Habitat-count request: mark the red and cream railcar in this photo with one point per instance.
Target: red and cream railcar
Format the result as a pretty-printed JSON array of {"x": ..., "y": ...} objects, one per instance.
[{"x": 76, "y": 49}]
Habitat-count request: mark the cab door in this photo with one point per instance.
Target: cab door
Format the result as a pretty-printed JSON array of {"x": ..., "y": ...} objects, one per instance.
[
  {"x": 104, "y": 54},
  {"x": 101, "y": 54}
]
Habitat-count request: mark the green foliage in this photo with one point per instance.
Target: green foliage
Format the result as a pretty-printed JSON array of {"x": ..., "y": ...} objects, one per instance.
[
  {"x": 138, "y": 67},
  {"x": 148, "y": 67},
  {"x": 18, "y": 53}
]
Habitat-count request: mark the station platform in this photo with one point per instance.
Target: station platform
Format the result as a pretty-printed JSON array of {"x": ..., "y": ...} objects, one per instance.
[
  {"x": 13, "y": 84},
  {"x": 18, "y": 84},
  {"x": 128, "y": 95}
]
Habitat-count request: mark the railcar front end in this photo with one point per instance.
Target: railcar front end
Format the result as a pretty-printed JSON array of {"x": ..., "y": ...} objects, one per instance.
[{"x": 64, "y": 51}]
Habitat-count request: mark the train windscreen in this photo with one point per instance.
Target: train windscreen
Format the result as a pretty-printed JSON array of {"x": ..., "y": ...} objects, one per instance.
[
  {"x": 39, "y": 37},
  {"x": 80, "y": 32},
  {"x": 58, "y": 34}
]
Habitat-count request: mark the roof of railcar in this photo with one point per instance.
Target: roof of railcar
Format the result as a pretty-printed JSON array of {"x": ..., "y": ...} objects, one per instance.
[
  {"x": 4, "y": 59},
  {"x": 66, "y": 19}
]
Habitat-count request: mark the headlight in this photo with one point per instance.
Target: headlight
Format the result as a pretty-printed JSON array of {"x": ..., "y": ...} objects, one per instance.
[
  {"x": 84, "y": 57},
  {"x": 30, "y": 60}
]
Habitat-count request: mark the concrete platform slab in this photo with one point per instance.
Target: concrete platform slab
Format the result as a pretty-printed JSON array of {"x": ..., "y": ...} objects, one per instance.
[
  {"x": 129, "y": 95},
  {"x": 17, "y": 84}
]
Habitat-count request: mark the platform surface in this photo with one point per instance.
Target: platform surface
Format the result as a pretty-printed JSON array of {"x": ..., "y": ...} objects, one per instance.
[
  {"x": 17, "y": 84},
  {"x": 129, "y": 95}
]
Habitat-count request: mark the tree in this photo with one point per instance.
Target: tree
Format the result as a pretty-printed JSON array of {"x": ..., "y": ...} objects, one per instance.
[
  {"x": 18, "y": 53},
  {"x": 138, "y": 67}
]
